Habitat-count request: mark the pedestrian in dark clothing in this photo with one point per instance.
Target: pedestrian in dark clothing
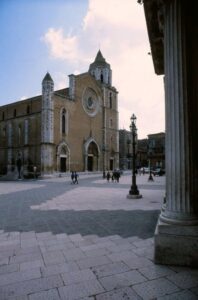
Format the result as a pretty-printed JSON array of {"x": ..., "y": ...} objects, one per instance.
[
  {"x": 72, "y": 177},
  {"x": 108, "y": 176},
  {"x": 112, "y": 177},
  {"x": 75, "y": 178},
  {"x": 117, "y": 176}
]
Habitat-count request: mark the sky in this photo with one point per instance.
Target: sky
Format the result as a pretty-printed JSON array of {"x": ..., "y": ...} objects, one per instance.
[{"x": 62, "y": 37}]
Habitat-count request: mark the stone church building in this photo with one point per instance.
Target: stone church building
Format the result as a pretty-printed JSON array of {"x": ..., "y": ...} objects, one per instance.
[{"x": 74, "y": 128}]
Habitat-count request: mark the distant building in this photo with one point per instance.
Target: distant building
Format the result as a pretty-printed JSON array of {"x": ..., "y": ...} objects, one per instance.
[
  {"x": 74, "y": 128},
  {"x": 142, "y": 153},
  {"x": 152, "y": 149},
  {"x": 156, "y": 150},
  {"x": 125, "y": 149}
]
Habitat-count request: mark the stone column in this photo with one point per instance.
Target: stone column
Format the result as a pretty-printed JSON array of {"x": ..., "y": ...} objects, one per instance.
[{"x": 176, "y": 237}]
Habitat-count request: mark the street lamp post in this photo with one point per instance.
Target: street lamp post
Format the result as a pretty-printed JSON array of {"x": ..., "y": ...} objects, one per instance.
[
  {"x": 150, "y": 173},
  {"x": 134, "y": 192}
]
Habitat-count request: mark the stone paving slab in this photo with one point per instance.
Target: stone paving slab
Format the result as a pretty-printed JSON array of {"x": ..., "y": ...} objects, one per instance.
[
  {"x": 183, "y": 295},
  {"x": 19, "y": 276},
  {"x": 110, "y": 269},
  {"x": 59, "y": 269},
  {"x": 155, "y": 288},
  {"x": 51, "y": 294},
  {"x": 78, "y": 276},
  {"x": 30, "y": 286},
  {"x": 121, "y": 280},
  {"x": 119, "y": 294},
  {"x": 79, "y": 290},
  {"x": 184, "y": 280}
]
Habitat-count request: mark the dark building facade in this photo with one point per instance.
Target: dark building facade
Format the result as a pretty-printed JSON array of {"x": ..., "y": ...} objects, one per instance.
[
  {"x": 149, "y": 151},
  {"x": 156, "y": 150}
]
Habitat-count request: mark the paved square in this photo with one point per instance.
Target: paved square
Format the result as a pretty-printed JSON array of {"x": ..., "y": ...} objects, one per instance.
[{"x": 88, "y": 241}]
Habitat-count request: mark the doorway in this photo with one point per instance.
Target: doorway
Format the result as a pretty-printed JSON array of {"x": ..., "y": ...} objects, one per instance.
[
  {"x": 92, "y": 160},
  {"x": 63, "y": 164},
  {"x": 90, "y": 163},
  {"x": 111, "y": 164}
]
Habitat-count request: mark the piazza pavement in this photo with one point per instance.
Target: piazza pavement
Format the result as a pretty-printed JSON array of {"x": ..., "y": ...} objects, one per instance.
[{"x": 60, "y": 241}]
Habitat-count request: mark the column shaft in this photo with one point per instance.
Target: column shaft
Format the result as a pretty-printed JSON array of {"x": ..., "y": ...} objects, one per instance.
[{"x": 181, "y": 163}]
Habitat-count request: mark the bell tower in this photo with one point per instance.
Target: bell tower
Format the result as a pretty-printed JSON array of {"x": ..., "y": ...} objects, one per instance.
[{"x": 101, "y": 70}]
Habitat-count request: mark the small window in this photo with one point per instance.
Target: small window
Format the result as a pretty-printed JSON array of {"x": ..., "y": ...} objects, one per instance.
[
  {"x": 110, "y": 100},
  {"x": 14, "y": 113},
  {"x": 110, "y": 123},
  {"x": 28, "y": 109},
  {"x": 101, "y": 77},
  {"x": 3, "y": 116}
]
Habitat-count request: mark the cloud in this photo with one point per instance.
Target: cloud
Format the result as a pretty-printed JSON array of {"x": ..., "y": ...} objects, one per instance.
[
  {"x": 23, "y": 98},
  {"x": 118, "y": 28},
  {"x": 60, "y": 46},
  {"x": 113, "y": 12}
]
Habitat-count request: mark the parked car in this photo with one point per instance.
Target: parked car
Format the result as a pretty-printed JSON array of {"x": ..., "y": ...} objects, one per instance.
[
  {"x": 158, "y": 172},
  {"x": 146, "y": 170}
]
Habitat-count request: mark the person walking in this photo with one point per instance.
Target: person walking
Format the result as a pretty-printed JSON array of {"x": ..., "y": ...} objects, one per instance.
[
  {"x": 108, "y": 176},
  {"x": 75, "y": 178},
  {"x": 72, "y": 177}
]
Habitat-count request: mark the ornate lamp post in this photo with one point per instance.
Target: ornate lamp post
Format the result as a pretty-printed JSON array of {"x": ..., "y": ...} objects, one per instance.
[
  {"x": 150, "y": 173},
  {"x": 134, "y": 192}
]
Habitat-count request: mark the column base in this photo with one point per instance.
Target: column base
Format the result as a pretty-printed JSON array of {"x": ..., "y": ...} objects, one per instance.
[{"x": 176, "y": 245}]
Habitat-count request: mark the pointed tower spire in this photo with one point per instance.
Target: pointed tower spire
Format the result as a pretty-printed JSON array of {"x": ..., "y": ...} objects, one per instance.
[
  {"x": 47, "y": 77},
  {"x": 99, "y": 58},
  {"x": 100, "y": 69}
]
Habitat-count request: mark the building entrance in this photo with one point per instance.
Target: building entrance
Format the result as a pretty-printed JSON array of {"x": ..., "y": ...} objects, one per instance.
[
  {"x": 63, "y": 164},
  {"x": 90, "y": 163},
  {"x": 111, "y": 164}
]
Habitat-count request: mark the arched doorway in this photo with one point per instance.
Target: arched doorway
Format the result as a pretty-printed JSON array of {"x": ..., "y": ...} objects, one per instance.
[
  {"x": 63, "y": 158},
  {"x": 92, "y": 159}
]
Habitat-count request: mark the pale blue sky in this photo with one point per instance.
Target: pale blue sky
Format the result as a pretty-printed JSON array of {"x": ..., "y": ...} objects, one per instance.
[
  {"x": 24, "y": 56},
  {"x": 63, "y": 37}
]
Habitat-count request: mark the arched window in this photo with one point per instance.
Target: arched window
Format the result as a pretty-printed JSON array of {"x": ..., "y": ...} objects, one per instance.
[
  {"x": 110, "y": 100},
  {"x": 101, "y": 77},
  {"x": 63, "y": 123},
  {"x": 110, "y": 123}
]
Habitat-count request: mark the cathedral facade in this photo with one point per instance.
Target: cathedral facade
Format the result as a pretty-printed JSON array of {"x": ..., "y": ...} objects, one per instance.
[{"x": 72, "y": 129}]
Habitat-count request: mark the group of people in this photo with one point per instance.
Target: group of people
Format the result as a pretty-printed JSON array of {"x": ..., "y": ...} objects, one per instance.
[
  {"x": 114, "y": 176},
  {"x": 74, "y": 177}
]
